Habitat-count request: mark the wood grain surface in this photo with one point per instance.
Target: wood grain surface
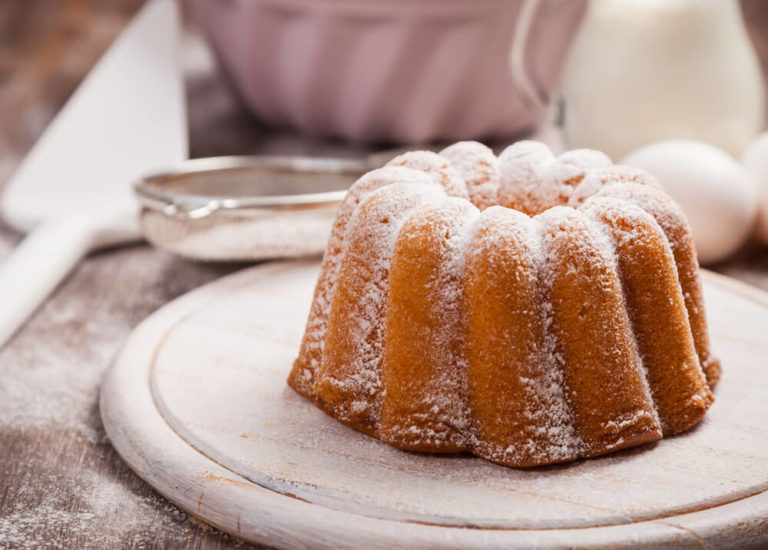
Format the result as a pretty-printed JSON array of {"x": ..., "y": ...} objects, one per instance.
[{"x": 61, "y": 484}]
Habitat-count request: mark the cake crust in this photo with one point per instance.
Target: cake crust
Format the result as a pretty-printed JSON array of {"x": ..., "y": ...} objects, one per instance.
[{"x": 530, "y": 309}]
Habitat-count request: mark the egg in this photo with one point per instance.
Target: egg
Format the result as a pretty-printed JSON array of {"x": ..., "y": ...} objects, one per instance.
[
  {"x": 713, "y": 189},
  {"x": 755, "y": 161}
]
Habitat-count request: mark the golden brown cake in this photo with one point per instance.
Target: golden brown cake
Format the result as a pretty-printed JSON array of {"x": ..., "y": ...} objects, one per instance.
[{"x": 530, "y": 309}]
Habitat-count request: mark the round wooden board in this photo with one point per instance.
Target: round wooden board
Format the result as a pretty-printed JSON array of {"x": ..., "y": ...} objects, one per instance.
[{"x": 197, "y": 405}]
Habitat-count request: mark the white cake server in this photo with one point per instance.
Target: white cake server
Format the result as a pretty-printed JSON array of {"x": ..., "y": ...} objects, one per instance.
[{"x": 73, "y": 190}]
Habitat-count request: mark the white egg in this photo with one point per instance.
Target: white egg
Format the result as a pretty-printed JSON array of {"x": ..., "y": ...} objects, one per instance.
[
  {"x": 713, "y": 189},
  {"x": 755, "y": 161}
]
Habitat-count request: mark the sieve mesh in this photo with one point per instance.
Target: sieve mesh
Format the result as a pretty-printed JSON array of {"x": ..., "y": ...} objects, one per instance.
[
  {"x": 227, "y": 236},
  {"x": 246, "y": 208}
]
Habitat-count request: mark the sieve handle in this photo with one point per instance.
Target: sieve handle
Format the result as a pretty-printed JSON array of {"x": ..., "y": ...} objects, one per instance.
[{"x": 44, "y": 259}]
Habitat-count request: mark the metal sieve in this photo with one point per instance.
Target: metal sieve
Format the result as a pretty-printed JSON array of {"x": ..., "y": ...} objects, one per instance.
[{"x": 247, "y": 208}]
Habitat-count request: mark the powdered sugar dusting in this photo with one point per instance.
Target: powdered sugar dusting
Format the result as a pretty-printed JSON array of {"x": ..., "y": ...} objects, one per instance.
[
  {"x": 595, "y": 180},
  {"x": 533, "y": 180},
  {"x": 522, "y": 167},
  {"x": 434, "y": 164},
  {"x": 570, "y": 168},
  {"x": 310, "y": 357},
  {"x": 526, "y": 177},
  {"x": 565, "y": 441},
  {"x": 588, "y": 306},
  {"x": 570, "y": 444},
  {"x": 623, "y": 210},
  {"x": 479, "y": 168},
  {"x": 543, "y": 431},
  {"x": 678, "y": 233},
  {"x": 431, "y": 404},
  {"x": 349, "y": 381}
]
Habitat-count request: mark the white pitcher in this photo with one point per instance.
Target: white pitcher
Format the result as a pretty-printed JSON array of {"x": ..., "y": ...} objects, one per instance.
[{"x": 640, "y": 71}]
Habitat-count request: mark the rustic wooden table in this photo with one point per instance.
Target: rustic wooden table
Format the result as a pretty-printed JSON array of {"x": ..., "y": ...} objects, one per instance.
[{"x": 61, "y": 483}]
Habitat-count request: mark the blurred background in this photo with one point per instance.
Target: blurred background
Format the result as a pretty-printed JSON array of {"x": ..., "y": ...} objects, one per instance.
[
  {"x": 332, "y": 78},
  {"x": 326, "y": 78},
  {"x": 46, "y": 48}
]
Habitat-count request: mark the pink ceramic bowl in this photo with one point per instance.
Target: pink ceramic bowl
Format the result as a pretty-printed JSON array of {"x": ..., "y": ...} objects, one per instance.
[{"x": 404, "y": 71}]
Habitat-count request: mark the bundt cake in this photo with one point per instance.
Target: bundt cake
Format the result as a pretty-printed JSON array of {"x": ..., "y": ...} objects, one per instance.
[{"x": 530, "y": 309}]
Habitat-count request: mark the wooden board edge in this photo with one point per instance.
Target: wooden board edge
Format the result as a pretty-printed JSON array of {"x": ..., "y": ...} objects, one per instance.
[
  {"x": 232, "y": 503},
  {"x": 747, "y": 290}
]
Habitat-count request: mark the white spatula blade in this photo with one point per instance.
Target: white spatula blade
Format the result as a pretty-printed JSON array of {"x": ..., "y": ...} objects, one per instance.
[
  {"x": 126, "y": 118},
  {"x": 73, "y": 189}
]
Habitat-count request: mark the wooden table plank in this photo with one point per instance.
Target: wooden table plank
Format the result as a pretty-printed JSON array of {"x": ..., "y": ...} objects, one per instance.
[{"x": 61, "y": 484}]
